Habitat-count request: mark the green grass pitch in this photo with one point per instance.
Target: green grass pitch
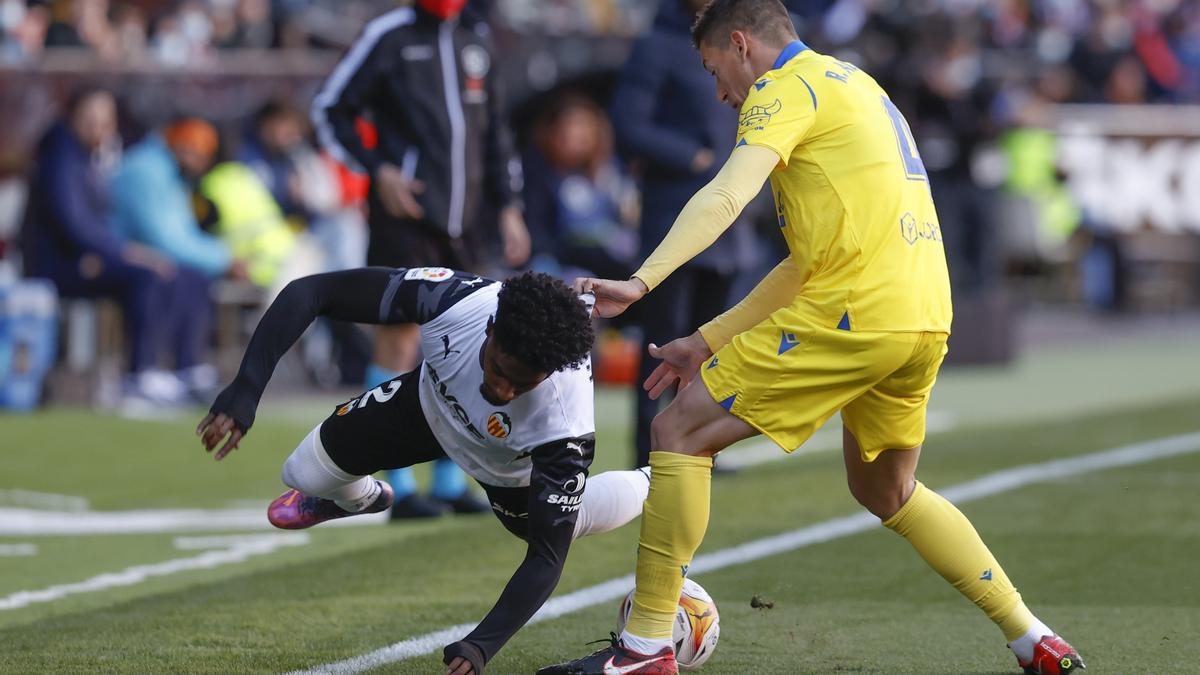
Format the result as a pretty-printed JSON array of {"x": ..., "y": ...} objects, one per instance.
[{"x": 1107, "y": 558}]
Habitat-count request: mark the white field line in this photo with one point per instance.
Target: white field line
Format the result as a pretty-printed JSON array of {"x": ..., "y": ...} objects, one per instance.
[
  {"x": 829, "y": 530},
  {"x": 235, "y": 552},
  {"x": 33, "y": 523},
  {"x": 205, "y": 543}
]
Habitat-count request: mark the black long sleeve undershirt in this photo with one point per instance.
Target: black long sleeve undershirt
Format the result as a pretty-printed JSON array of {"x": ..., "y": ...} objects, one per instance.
[{"x": 374, "y": 295}]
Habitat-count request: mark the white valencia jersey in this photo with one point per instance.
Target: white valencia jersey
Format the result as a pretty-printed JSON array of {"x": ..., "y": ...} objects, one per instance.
[{"x": 492, "y": 442}]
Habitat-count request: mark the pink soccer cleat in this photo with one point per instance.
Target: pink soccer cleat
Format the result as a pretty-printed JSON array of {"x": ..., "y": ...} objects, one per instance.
[{"x": 293, "y": 510}]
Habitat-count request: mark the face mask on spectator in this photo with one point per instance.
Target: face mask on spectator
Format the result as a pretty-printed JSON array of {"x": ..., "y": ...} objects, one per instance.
[{"x": 443, "y": 9}]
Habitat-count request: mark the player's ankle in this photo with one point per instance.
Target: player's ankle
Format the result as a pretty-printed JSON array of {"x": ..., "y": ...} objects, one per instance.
[
  {"x": 643, "y": 645},
  {"x": 1023, "y": 646},
  {"x": 357, "y": 505}
]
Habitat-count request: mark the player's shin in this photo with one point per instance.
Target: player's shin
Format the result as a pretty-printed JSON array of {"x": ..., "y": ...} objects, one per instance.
[
  {"x": 950, "y": 545},
  {"x": 612, "y": 499},
  {"x": 673, "y": 524}
]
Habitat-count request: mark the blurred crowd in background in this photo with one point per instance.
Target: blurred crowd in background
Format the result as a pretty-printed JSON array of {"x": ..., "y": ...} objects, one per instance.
[
  {"x": 206, "y": 203},
  {"x": 1122, "y": 50}
]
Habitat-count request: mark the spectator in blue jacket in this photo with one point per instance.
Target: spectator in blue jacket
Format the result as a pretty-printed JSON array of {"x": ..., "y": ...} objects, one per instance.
[
  {"x": 669, "y": 123},
  {"x": 152, "y": 205},
  {"x": 69, "y": 239},
  {"x": 578, "y": 202}
]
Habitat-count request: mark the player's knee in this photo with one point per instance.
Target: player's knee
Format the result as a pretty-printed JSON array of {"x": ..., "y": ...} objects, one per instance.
[
  {"x": 293, "y": 473},
  {"x": 300, "y": 473},
  {"x": 883, "y": 500},
  {"x": 667, "y": 434}
]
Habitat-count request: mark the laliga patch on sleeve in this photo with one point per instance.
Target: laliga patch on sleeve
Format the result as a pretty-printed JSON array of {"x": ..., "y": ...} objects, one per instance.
[{"x": 429, "y": 273}]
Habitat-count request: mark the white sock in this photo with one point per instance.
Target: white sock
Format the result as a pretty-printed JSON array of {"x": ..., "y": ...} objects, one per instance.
[
  {"x": 358, "y": 495},
  {"x": 642, "y": 645},
  {"x": 612, "y": 499},
  {"x": 310, "y": 470},
  {"x": 1023, "y": 646}
]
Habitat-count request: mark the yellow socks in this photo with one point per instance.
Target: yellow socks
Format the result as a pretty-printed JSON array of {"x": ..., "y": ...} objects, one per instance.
[
  {"x": 673, "y": 523},
  {"x": 946, "y": 540}
]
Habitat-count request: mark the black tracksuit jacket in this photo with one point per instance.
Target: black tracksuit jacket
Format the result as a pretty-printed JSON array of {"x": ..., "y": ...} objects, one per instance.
[{"x": 431, "y": 90}]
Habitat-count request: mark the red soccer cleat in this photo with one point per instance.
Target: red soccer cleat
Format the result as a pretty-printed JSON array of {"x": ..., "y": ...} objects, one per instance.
[
  {"x": 293, "y": 510},
  {"x": 615, "y": 659},
  {"x": 1053, "y": 656}
]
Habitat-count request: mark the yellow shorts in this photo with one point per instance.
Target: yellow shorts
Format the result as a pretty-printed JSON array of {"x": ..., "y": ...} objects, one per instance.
[{"x": 787, "y": 376}]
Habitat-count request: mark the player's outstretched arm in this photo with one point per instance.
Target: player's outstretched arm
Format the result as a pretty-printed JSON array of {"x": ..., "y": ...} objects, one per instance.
[
  {"x": 351, "y": 295},
  {"x": 710, "y": 211},
  {"x": 378, "y": 295},
  {"x": 556, "y": 484}
]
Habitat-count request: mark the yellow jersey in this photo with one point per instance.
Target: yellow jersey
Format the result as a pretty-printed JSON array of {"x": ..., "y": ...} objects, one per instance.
[{"x": 851, "y": 195}]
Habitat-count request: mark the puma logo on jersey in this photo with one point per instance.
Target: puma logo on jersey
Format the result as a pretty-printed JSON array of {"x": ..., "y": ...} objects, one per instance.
[{"x": 446, "y": 351}]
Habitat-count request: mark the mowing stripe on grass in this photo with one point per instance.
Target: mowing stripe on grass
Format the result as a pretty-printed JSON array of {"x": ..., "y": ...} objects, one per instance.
[
  {"x": 77, "y": 520},
  {"x": 42, "y": 500},
  {"x": 836, "y": 528},
  {"x": 29, "y": 522},
  {"x": 14, "y": 550},
  {"x": 236, "y": 552}
]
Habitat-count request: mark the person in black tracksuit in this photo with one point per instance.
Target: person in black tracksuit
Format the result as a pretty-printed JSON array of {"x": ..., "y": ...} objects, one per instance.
[{"x": 425, "y": 78}]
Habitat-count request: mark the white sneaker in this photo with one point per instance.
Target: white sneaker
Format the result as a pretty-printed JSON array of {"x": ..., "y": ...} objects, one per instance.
[
  {"x": 199, "y": 380},
  {"x": 157, "y": 386}
]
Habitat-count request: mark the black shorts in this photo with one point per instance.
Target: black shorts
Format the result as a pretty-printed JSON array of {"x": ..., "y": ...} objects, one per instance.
[
  {"x": 403, "y": 242},
  {"x": 385, "y": 428}
]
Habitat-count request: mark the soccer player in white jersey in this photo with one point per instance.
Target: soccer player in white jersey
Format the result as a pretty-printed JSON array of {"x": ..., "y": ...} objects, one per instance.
[{"x": 505, "y": 391}]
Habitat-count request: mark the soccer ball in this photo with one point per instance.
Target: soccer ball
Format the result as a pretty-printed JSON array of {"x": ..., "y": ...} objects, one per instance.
[{"x": 697, "y": 625}]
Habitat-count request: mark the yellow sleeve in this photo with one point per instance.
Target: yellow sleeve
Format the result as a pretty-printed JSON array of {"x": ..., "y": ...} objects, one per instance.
[
  {"x": 776, "y": 290},
  {"x": 710, "y": 212}
]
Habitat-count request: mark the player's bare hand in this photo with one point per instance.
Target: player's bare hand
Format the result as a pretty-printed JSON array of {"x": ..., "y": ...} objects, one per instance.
[
  {"x": 515, "y": 237},
  {"x": 215, "y": 428},
  {"x": 681, "y": 360},
  {"x": 459, "y": 666},
  {"x": 398, "y": 193},
  {"x": 140, "y": 255},
  {"x": 612, "y": 297}
]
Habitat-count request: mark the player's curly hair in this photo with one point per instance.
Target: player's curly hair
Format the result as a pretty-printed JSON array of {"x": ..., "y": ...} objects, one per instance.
[{"x": 542, "y": 323}]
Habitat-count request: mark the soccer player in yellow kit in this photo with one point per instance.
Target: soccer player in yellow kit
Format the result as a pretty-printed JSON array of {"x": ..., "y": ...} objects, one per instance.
[{"x": 854, "y": 320}]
